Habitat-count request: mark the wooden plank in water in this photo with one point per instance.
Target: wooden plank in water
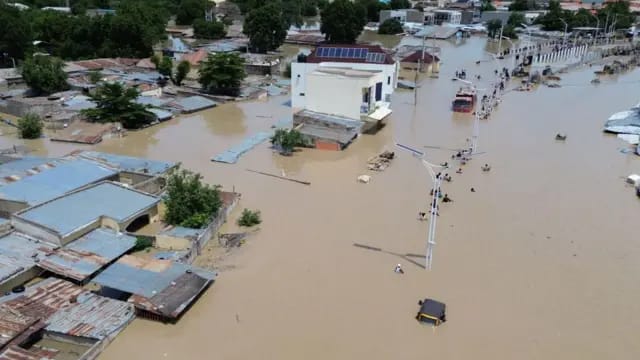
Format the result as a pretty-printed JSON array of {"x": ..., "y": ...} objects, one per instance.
[{"x": 280, "y": 177}]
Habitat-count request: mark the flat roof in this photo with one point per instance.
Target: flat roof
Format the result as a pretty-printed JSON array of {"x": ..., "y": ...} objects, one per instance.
[
  {"x": 129, "y": 163},
  {"x": 349, "y": 72},
  {"x": 58, "y": 180},
  {"x": 163, "y": 287},
  {"x": 18, "y": 253},
  {"x": 83, "y": 257},
  {"x": 18, "y": 168},
  {"x": 77, "y": 209},
  {"x": 69, "y": 309}
]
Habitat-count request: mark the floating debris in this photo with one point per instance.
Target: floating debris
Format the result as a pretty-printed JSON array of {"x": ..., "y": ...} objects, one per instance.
[
  {"x": 381, "y": 162},
  {"x": 280, "y": 177},
  {"x": 364, "y": 179}
]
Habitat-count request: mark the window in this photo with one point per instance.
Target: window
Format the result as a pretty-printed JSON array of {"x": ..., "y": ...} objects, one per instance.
[
  {"x": 388, "y": 80},
  {"x": 301, "y": 94},
  {"x": 378, "y": 91}
]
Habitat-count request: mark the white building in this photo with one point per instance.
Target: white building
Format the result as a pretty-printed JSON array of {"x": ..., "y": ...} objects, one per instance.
[
  {"x": 344, "y": 91},
  {"x": 355, "y": 57},
  {"x": 453, "y": 17}
]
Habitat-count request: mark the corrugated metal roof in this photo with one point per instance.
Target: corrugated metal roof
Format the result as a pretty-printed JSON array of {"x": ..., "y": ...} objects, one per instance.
[
  {"x": 64, "y": 177},
  {"x": 12, "y": 324},
  {"x": 162, "y": 115},
  {"x": 194, "y": 103},
  {"x": 88, "y": 254},
  {"x": 17, "y": 353},
  {"x": 161, "y": 286},
  {"x": 19, "y": 168},
  {"x": 68, "y": 309},
  {"x": 129, "y": 163},
  {"x": 182, "y": 232},
  {"x": 72, "y": 211},
  {"x": 152, "y": 101},
  {"x": 18, "y": 254}
]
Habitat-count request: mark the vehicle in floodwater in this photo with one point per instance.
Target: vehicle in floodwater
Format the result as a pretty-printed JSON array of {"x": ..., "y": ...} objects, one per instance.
[
  {"x": 465, "y": 100},
  {"x": 431, "y": 311},
  {"x": 624, "y": 122}
]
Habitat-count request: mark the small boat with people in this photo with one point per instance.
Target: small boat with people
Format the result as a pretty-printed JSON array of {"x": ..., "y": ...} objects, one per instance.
[{"x": 465, "y": 100}]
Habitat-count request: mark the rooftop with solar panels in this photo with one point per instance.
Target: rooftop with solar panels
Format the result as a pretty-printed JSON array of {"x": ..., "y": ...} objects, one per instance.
[{"x": 371, "y": 54}]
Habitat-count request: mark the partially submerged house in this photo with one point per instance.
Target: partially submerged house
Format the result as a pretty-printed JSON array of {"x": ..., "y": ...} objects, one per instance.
[
  {"x": 422, "y": 61},
  {"x": 159, "y": 289},
  {"x": 64, "y": 219},
  {"x": 326, "y": 132}
]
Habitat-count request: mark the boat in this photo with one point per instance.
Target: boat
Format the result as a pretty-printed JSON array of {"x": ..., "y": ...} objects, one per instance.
[{"x": 465, "y": 100}]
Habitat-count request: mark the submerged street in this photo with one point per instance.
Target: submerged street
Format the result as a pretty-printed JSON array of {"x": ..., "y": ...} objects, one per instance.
[{"x": 541, "y": 261}]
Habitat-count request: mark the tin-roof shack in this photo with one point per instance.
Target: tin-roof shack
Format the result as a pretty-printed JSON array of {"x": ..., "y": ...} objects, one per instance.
[
  {"x": 82, "y": 258},
  {"x": 19, "y": 255},
  {"x": 159, "y": 289},
  {"x": 106, "y": 204}
]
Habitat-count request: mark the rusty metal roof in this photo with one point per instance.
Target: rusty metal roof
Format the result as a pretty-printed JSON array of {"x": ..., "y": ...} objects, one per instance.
[
  {"x": 69, "y": 309},
  {"x": 81, "y": 258},
  {"x": 12, "y": 324},
  {"x": 160, "y": 286},
  {"x": 18, "y": 353},
  {"x": 19, "y": 253}
]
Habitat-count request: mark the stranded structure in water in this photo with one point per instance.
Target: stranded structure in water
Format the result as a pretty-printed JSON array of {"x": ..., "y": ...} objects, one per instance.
[{"x": 465, "y": 100}]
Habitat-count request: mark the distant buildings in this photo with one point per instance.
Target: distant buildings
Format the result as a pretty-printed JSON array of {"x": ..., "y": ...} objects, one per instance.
[
  {"x": 403, "y": 16},
  {"x": 442, "y": 16}
]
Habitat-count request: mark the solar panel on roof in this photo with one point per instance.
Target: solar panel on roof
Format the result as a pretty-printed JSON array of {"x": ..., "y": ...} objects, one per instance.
[
  {"x": 364, "y": 53},
  {"x": 320, "y": 52},
  {"x": 332, "y": 52},
  {"x": 339, "y": 52},
  {"x": 350, "y": 53}
]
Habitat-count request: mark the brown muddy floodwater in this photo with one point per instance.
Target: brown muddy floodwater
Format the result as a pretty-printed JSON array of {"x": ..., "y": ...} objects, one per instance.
[{"x": 541, "y": 262}]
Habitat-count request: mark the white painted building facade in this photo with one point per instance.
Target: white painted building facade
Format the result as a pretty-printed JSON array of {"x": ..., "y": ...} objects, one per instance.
[
  {"x": 344, "y": 91},
  {"x": 300, "y": 71}
]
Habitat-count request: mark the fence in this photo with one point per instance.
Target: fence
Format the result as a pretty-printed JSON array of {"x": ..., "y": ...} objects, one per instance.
[{"x": 569, "y": 55}]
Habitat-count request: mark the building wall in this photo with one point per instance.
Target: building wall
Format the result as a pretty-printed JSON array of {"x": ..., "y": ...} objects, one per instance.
[
  {"x": 8, "y": 207},
  {"x": 172, "y": 242},
  {"x": 132, "y": 178},
  {"x": 157, "y": 92},
  {"x": 19, "y": 279},
  {"x": 338, "y": 95},
  {"x": 327, "y": 145},
  {"x": 300, "y": 71},
  {"x": 39, "y": 232}
]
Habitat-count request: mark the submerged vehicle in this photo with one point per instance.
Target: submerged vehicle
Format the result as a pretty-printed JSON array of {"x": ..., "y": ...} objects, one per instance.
[
  {"x": 431, "y": 311},
  {"x": 465, "y": 100}
]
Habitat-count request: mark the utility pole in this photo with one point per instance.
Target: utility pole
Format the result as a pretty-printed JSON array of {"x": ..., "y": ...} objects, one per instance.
[{"x": 433, "y": 206}]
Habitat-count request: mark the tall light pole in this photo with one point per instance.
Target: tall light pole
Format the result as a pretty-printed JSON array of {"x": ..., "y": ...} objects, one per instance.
[
  {"x": 433, "y": 207},
  {"x": 564, "y": 35},
  {"x": 513, "y": 47},
  {"x": 595, "y": 37}
]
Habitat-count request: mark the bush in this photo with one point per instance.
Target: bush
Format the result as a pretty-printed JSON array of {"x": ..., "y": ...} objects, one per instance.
[
  {"x": 30, "y": 126},
  {"x": 287, "y": 140},
  {"x": 44, "y": 74},
  {"x": 249, "y": 218},
  {"x": 190, "y": 203},
  {"x": 390, "y": 27},
  {"x": 142, "y": 243},
  {"x": 211, "y": 30}
]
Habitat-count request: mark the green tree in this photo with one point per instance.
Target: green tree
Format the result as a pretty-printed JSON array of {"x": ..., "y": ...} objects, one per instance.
[
  {"x": 522, "y": 5},
  {"x": 486, "y": 5},
  {"x": 189, "y": 201},
  {"x": 390, "y": 27},
  {"x": 310, "y": 8},
  {"x": 342, "y": 21},
  {"x": 619, "y": 10},
  {"x": 493, "y": 28},
  {"x": 553, "y": 19},
  {"x": 181, "y": 72},
  {"x": 249, "y": 218},
  {"x": 322, "y": 4},
  {"x": 30, "y": 126},
  {"x": 516, "y": 19},
  {"x": 165, "y": 67},
  {"x": 222, "y": 74},
  {"x": 115, "y": 103},
  {"x": 142, "y": 243},
  {"x": 190, "y": 10},
  {"x": 372, "y": 8},
  {"x": 95, "y": 77},
  {"x": 285, "y": 141},
  {"x": 15, "y": 32},
  {"x": 583, "y": 17},
  {"x": 211, "y": 30},
  {"x": 44, "y": 74},
  {"x": 266, "y": 28},
  {"x": 400, "y": 4}
]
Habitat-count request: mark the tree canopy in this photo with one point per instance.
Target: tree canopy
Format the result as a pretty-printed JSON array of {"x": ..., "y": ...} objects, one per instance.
[
  {"x": 372, "y": 8},
  {"x": 493, "y": 28},
  {"x": 30, "y": 126},
  {"x": 619, "y": 10},
  {"x": 222, "y": 74},
  {"x": 342, "y": 21},
  {"x": 15, "y": 32},
  {"x": 390, "y": 27},
  {"x": 211, "y": 30},
  {"x": 266, "y": 28},
  {"x": 190, "y": 10},
  {"x": 486, "y": 5},
  {"x": 44, "y": 74},
  {"x": 523, "y": 5},
  {"x": 285, "y": 141},
  {"x": 182, "y": 71},
  {"x": 115, "y": 103},
  {"x": 400, "y": 4},
  {"x": 190, "y": 202}
]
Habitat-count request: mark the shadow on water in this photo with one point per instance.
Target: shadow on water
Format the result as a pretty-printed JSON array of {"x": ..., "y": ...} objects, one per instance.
[{"x": 405, "y": 257}]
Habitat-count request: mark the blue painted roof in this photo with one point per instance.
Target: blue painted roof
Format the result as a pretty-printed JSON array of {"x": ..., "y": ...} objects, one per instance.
[
  {"x": 17, "y": 254},
  {"x": 129, "y": 163},
  {"x": 72, "y": 211},
  {"x": 25, "y": 166},
  {"x": 88, "y": 254},
  {"x": 49, "y": 184},
  {"x": 231, "y": 156},
  {"x": 194, "y": 103},
  {"x": 162, "y": 115},
  {"x": 145, "y": 277},
  {"x": 80, "y": 102},
  {"x": 151, "y": 100}
]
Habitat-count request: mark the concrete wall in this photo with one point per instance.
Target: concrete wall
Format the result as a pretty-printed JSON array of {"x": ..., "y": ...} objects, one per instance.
[
  {"x": 34, "y": 230},
  {"x": 132, "y": 178},
  {"x": 19, "y": 108},
  {"x": 172, "y": 242},
  {"x": 8, "y": 207},
  {"x": 339, "y": 95},
  {"x": 403, "y": 15},
  {"x": 300, "y": 71},
  {"x": 152, "y": 186}
]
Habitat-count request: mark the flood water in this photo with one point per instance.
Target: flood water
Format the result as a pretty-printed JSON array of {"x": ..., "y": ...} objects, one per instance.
[{"x": 540, "y": 262}]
